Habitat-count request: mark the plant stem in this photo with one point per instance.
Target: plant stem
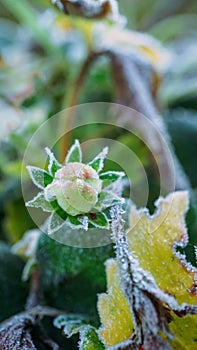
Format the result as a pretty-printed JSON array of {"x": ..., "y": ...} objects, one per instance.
[
  {"x": 133, "y": 80},
  {"x": 35, "y": 295},
  {"x": 72, "y": 101}
]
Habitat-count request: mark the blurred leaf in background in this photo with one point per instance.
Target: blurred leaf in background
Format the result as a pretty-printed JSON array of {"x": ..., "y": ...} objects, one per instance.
[
  {"x": 42, "y": 52},
  {"x": 13, "y": 291}
]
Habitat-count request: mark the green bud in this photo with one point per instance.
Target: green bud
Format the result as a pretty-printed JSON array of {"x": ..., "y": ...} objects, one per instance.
[{"x": 75, "y": 187}]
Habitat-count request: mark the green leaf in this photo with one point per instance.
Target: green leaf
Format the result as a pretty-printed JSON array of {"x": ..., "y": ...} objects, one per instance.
[
  {"x": 89, "y": 339},
  {"x": 72, "y": 277},
  {"x": 13, "y": 292},
  {"x": 98, "y": 220},
  {"x": 55, "y": 222},
  {"x": 77, "y": 222},
  {"x": 98, "y": 162},
  {"x": 74, "y": 154},
  {"x": 107, "y": 199},
  {"x": 40, "y": 177},
  {"x": 40, "y": 202},
  {"x": 110, "y": 177},
  {"x": 60, "y": 260},
  {"x": 54, "y": 165},
  {"x": 72, "y": 324}
]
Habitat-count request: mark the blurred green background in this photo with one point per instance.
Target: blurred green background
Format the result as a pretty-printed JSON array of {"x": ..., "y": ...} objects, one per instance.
[{"x": 41, "y": 52}]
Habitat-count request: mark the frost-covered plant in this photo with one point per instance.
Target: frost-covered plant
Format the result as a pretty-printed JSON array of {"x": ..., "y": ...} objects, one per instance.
[
  {"x": 148, "y": 276},
  {"x": 77, "y": 193},
  {"x": 150, "y": 302},
  {"x": 26, "y": 248},
  {"x": 150, "y": 286}
]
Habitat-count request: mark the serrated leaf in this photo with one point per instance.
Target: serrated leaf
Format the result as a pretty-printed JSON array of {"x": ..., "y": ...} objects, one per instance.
[
  {"x": 114, "y": 309},
  {"x": 98, "y": 220},
  {"x": 54, "y": 165},
  {"x": 74, "y": 154},
  {"x": 78, "y": 222},
  {"x": 74, "y": 222},
  {"x": 55, "y": 222},
  {"x": 41, "y": 178},
  {"x": 71, "y": 328},
  {"x": 107, "y": 199},
  {"x": 89, "y": 339},
  {"x": 154, "y": 240},
  {"x": 40, "y": 202},
  {"x": 70, "y": 324},
  {"x": 62, "y": 320},
  {"x": 98, "y": 162},
  {"x": 84, "y": 221},
  {"x": 110, "y": 177}
]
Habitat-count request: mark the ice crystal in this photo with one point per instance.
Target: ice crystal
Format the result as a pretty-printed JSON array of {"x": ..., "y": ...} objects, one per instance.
[
  {"x": 73, "y": 324},
  {"x": 18, "y": 334},
  {"x": 15, "y": 334},
  {"x": 139, "y": 294},
  {"x": 75, "y": 192},
  {"x": 74, "y": 154}
]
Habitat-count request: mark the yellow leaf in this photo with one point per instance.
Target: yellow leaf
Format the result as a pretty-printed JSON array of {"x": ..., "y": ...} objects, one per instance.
[
  {"x": 114, "y": 309},
  {"x": 149, "y": 48},
  {"x": 185, "y": 331},
  {"x": 153, "y": 239}
]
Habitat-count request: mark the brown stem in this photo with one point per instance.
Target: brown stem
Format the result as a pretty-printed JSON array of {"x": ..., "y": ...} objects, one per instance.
[
  {"x": 133, "y": 80},
  {"x": 40, "y": 311},
  {"x": 72, "y": 100},
  {"x": 35, "y": 295}
]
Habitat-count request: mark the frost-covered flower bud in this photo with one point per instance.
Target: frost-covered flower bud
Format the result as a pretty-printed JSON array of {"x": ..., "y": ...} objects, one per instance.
[{"x": 75, "y": 187}]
